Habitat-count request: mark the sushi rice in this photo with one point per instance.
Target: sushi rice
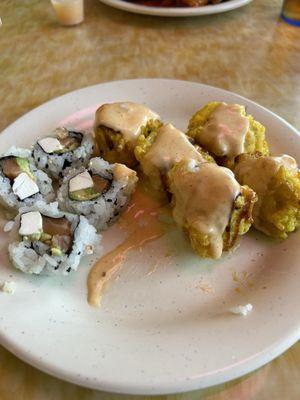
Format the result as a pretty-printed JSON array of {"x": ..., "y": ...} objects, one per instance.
[{"x": 34, "y": 256}]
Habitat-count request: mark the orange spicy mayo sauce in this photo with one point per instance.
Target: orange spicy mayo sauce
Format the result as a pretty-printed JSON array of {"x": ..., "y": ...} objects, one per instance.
[{"x": 141, "y": 221}]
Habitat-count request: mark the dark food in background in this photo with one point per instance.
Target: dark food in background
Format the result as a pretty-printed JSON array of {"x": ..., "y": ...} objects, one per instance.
[{"x": 175, "y": 3}]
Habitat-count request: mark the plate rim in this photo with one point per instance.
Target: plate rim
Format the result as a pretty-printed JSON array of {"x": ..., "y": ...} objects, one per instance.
[
  {"x": 175, "y": 11},
  {"x": 269, "y": 354},
  {"x": 232, "y": 372},
  {"x": 120, "y": 81}
]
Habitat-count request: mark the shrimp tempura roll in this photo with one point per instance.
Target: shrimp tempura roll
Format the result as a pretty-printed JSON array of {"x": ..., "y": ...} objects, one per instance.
[
  {"x": 117, "y": 127},
  {"x": 226, "y": 131},
  {"x": 161, "y": 149},
  {"x": 210, "y": 205},
  {"x": 276, "y": 180}
]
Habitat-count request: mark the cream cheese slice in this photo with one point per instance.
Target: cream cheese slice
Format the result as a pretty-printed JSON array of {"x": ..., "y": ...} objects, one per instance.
[
  {"x": 50, "y": 144},
  {"x": 31, "y": 223},
  {"x": 81, "y": 181},
  {"x": 24, "y": 186}
]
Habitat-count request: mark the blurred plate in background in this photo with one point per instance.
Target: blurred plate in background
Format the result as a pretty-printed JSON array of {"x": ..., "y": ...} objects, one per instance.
[{"x": 176, "y": 11}]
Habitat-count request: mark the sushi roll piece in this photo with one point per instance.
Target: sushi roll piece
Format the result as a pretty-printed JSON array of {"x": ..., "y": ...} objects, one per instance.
[
  {"x": 159, "y": 150},
  {"x": 117, "y": 127},
  {"x": 226, "y": 131},
  {"x": 276, "y": 180},
  {"x": 22, "y": 184},
  {"x": 210, "y": 205},
  {"x": 98, "y": 192},
  {"x": 63, "y": 149},
  {"x": 48, "y": 241}
]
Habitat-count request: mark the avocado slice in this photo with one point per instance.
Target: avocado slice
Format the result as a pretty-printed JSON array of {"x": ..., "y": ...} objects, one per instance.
[
  {"x": 34, "y": 237},
  {"x": 100, "y": 185},
  {"x": 23, "y": 164},
  {"x": 55, "y": 251},
  {"x": 84, "y": 194}
]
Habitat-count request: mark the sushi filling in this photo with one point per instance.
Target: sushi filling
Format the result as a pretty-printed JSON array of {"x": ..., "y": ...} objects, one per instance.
[
  {"x": 13, "y": 166},
  {"x": 64, "y": 142},
  {"x": 17, "y": 170},
  {"x": 55, "y": 233},
  {"x": 85, "y": 186}
]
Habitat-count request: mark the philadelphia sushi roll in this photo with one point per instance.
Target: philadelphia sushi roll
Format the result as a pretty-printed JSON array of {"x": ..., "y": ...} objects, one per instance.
[
  {"x": 160, "y": 149},
  {"x": 276, "y": 181},
  {"x": 226, "y": 131},
  {"x": 21, "y": 183},
  {"x": 63, "y": 149},
  {"x": 49, "y": 241},
  {"x": 210, "y": 205},
  {"x": 117, "y": 127},
  {"x": 99, "y": 192}
]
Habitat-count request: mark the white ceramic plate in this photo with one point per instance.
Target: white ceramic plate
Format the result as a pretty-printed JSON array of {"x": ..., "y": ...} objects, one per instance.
[
  {"x": 157, "y": 332},
  {"x": 176, "y": 11}
]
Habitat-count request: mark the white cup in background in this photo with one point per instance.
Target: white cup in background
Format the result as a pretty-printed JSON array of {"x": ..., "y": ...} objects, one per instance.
[{"x": 69, "y": 12}]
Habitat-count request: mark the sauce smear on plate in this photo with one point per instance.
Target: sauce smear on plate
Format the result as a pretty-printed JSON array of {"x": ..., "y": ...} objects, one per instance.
[{"x": 141, "y": 221}]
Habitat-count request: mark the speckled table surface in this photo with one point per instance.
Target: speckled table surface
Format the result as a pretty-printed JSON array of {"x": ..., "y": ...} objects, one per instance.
[{"x": 248, "y": 51}]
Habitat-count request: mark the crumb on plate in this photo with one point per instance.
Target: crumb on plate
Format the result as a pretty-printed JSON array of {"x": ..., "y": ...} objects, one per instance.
[
  {"x": 7, "y": 287},
  {"x": 241, "y": 310}
]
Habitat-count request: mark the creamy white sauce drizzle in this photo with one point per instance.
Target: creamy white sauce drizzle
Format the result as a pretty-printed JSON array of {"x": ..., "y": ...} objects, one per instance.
[
  {"x": 204, "y": 196},
  {"x": 126, "y": 118},
  {"x": 170, "y": 147},
  {"x": 225, "y": 131}
]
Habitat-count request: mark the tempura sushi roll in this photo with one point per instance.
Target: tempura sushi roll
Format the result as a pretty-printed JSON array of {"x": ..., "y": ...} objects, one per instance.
[
  {"x": 50, "y": 241},
  {"x": 117, "y": 127},
  {"x": 99, "y": 191},
  {"x": 21, "y": 183},
  {"x": 159, "y": 150},
  {"x": 276, "y": 180},
  {"x": 210, "y": 205},
  {"x": 64, "y": 148},
  {"x": 226, "y": 131}
]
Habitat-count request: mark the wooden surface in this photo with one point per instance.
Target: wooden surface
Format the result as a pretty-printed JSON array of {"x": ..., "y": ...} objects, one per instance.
[{"x": 248, "y": 51}]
